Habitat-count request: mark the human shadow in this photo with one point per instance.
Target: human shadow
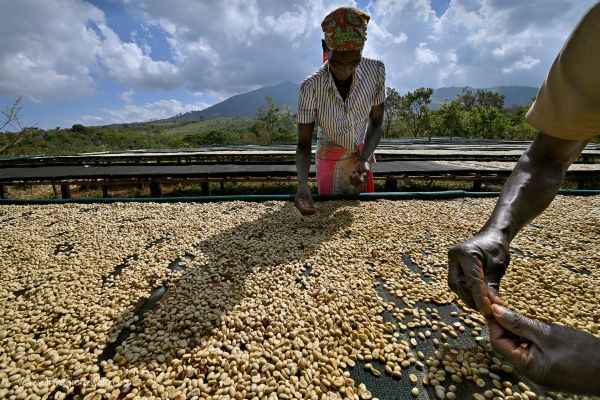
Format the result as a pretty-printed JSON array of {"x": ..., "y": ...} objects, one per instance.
[{"x": 177, "y": 321}]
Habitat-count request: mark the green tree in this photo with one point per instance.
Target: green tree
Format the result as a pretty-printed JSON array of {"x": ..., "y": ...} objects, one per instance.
[
  {"x": 488, "y": 98},
  {"x": 467, "y": 99},
  {"x": 450, "y": 118},
  {"x": 480, "y": 97},
  {"x": 486, "y": 122},
  {"x": 78, "y": 128},
  {"x": 518, "y": 128},
  {"x": 286, "y": 125},
  {"x": 393, "y": 103},
  {"x": 414, "y": 110},
  {"x": 10, "y": 118},
  {"x": 275, "y": 123},
  {"x": 268, "y": 118}
]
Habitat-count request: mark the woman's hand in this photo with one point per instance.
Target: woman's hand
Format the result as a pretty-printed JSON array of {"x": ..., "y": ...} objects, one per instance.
[
  {"x": 361, "y": 172},
  {"x": 304, "y": 201}
]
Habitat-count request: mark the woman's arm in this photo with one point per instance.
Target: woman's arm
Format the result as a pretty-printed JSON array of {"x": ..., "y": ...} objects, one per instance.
[{"x": 304, "y": 202}]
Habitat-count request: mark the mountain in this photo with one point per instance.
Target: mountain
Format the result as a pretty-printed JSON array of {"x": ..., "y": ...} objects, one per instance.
[
  {"x": 246, "y": 104},
  {"x": 513, "y": 95}
]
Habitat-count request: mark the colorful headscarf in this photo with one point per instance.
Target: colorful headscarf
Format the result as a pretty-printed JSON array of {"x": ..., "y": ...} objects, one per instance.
[{"x": 345, "y": 29}]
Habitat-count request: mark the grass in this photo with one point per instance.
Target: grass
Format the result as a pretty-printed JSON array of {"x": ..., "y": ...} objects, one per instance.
[
  {"x": 238, "y": 124},
  {"x": 132, "y": 137}
]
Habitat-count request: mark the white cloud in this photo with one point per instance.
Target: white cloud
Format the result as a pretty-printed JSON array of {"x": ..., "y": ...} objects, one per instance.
[
  {"x": 53, "y": 48},
  {"x": 59, "y": 48},
  {"x": 146, "y": 112},
  {"x": 92, "y": 119},
  {"x": 47, "y": 48},
  {"x": 130, "y": 65},
  {"x": 452, "y": 57},
  {"x": 526, "y": 63},
  {"x": 238, "y": 45},
  {"x": 425, "y": 55},
  {"x": 126, "y": 96},
  {"x": 479, "y": 43}
]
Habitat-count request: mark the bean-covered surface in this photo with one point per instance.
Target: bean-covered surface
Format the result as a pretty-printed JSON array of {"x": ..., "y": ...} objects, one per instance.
[{"x": 252, "y": 300}]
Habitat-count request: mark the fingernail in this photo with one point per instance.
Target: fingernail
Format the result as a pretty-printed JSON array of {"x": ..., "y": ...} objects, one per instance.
[{"x": 498, "y": 309}]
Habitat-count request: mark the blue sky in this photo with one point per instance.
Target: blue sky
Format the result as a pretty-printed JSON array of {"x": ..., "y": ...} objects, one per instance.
[{"x": 98, "y": 62}]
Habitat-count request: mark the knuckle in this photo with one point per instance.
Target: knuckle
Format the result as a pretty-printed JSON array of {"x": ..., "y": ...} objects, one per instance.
[
  {"x": 465, "y": 249},
  {"x": 453, "y": 250},
  {"x": 452, "y": 285},
  {"x": 501, "y": 259},
  {"x": 519, "y": 321},
  {"x": 516, "y": 320}
]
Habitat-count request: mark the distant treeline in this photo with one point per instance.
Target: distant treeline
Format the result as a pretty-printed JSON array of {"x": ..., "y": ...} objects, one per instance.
[{"x": 473, "y": 114}]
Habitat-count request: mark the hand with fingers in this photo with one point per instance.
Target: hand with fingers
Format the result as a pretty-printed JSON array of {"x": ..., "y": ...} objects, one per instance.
[
  {"x": 558, "y": 358},
  {"x": 475, "y": 268},
  {"x": 361, "y": 171},
  {"x": 304, "y": 201}
]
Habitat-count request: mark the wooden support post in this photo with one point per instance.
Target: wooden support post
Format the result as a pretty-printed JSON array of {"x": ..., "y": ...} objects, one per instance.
[
  {"x": 155, "y": 189},
  {"x": 581, "y": 184},
  {"x": 391, "y": 185},
  {"x": 476, "y": 185},
  {"x": 65, "y": 190},
  {"x": 205, "y": 188},
  {"x": 105, "y": 191},
  {"x": 222, "y": 187},
  {"x": 2, "y": 193}
]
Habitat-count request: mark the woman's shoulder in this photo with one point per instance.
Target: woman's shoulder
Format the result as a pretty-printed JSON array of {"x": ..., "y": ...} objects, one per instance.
[
  {"x": 372, "y": 63},
  {"x": 315, "y": 78}
]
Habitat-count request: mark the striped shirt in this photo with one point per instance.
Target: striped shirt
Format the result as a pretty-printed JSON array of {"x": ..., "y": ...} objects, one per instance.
[{"x": 342, "y": 122}]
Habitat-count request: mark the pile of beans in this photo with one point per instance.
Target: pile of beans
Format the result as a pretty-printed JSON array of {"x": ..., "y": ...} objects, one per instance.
[{"x": 251, "y": 300}]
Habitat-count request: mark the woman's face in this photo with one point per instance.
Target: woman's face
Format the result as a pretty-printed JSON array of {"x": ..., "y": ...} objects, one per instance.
[{"x": 343, "y": 63}]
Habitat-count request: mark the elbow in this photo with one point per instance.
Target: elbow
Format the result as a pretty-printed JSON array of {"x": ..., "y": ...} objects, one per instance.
[
  {"x": 538, "y": 168},
  {"x": 555, "y": 165},
  {"x": 554, "y": 154}
]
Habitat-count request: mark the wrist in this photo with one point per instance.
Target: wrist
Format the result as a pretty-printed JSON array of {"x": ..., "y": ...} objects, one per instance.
[
  {"x": 496, "y": 234},
  {"x": 499, "y": 231}
]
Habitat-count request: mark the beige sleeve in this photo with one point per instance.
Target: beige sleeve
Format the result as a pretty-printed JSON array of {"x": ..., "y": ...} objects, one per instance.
[{"x": 568, "y": 103}]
